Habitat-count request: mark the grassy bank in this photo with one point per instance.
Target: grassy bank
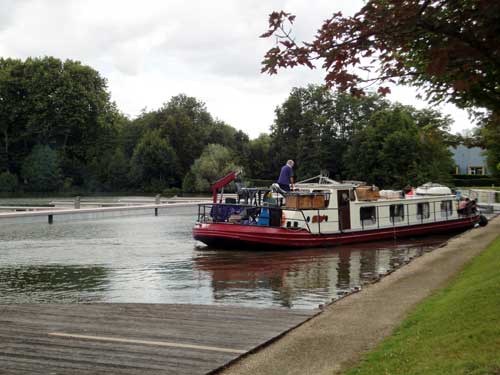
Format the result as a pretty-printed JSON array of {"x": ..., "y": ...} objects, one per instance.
[{"x": 455, "y": 331}]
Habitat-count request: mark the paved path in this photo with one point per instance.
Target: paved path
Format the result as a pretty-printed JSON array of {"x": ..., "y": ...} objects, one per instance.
[
  {"x": 336, "y": 339},
  {"x": 133, "y": 338}
]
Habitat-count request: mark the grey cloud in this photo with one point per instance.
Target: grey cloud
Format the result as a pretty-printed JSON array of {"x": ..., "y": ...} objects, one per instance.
[{"x": 7, "y": 12}]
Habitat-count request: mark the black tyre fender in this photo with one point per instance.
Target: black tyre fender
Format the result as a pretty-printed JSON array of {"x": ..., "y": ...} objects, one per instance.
[{"x": 483, "y": 221}]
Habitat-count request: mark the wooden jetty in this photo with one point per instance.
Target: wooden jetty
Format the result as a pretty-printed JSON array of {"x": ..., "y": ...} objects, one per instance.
[
  {"x": 134, "y": 338},
  {"x": 54, "y": 214}
]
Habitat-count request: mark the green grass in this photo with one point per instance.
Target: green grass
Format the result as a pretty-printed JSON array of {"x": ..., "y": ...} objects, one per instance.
[{"x": 456, "y": 331}]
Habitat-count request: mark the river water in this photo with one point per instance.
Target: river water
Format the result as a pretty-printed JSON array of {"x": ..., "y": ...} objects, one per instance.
[{"x": 149, "y": 259}]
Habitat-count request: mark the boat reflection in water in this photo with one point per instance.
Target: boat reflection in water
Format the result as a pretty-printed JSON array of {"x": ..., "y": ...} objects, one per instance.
[{"x": 304, "y": 278}]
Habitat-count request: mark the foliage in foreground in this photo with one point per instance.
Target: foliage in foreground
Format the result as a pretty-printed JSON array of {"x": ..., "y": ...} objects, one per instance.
[
  {"x": 456, "y": 331},
  {"x": 451, "y": 49}
]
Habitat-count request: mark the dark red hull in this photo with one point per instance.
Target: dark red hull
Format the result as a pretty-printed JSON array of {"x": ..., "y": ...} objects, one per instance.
[{"x": 220, "y": 234}]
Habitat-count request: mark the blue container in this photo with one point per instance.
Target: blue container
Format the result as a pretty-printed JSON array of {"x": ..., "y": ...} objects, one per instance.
[{"x": 263, "y": 217}]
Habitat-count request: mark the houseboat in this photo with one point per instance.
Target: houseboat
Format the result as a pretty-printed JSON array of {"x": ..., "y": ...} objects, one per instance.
[{"x": 321, "y": 212}]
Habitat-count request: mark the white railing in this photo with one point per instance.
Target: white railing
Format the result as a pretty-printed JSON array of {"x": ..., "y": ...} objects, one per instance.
[{"x": 485, "y": 196}]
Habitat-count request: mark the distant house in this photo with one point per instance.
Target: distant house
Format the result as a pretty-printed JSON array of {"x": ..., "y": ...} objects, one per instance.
[{"x": 469, "y": 160}]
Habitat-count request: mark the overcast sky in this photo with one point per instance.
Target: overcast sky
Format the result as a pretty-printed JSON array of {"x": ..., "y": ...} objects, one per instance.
[{"x": 152, "y": 50}]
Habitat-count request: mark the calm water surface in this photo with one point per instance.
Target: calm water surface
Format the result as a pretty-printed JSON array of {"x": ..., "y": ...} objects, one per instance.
[{"x": 155, "y": 260}]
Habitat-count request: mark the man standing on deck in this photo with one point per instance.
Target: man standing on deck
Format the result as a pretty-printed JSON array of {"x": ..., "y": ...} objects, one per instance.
[{"x": 286, "y": 176}]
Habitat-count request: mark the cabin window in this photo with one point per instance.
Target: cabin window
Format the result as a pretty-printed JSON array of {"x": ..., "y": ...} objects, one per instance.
[
  {"x": 368, "y": 215},
  {"x": 423, "y": 211},
  {"x": 397, "y": 212},
  {"x": 446, "y": 208}
]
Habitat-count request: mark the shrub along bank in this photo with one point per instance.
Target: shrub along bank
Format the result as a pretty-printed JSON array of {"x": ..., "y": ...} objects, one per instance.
[
  {"x": 455, "y": 331},
  {"x": 471, "y": 180}
]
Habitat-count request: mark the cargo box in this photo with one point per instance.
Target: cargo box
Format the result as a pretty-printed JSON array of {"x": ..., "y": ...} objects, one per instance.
[
  {"x": 391, "y": 194},
  {"x": 367, "y": 193},
  {"x": 318, "y": 201},
  {"x": 305, "y": 201}
]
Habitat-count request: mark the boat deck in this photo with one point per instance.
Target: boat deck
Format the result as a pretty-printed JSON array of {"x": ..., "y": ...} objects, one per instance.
[{"x": 134, "y": 338}]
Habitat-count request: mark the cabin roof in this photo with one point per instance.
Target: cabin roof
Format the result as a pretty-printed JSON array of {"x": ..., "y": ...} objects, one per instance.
[
  {"x": 337, "y": 186},
  {"x": 417, "y": 198}
]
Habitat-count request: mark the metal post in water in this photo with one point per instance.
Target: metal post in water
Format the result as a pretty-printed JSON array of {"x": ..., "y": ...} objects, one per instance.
[
  {"x": 51, "y": 219},
  {"x": 157, "y": 201}
]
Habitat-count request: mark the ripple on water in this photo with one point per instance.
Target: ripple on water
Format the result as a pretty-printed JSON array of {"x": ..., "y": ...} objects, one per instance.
[{"x": 155, "y": 260}]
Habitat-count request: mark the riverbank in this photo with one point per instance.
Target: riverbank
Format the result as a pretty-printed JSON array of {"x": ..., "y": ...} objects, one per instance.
[
  {"x": 459, "y": 325},
  {"x": 336, "y": 339}
]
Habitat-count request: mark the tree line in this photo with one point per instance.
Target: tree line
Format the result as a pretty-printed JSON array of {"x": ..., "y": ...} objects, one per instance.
[
  {"x": 364, "y": 138},
  {"x": 59, "y": 131}
]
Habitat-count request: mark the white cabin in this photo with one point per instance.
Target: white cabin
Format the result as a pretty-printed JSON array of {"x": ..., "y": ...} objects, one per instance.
[{"x": 345, "y": 210}]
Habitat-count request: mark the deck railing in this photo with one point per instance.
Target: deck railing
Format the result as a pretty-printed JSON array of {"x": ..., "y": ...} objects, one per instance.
[{"x": 221, "y": 213}]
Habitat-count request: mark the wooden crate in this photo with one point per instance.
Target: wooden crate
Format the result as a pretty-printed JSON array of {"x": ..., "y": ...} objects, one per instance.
[
  {"x": 298, "y": 201},
  {"x": 292, "y": 201},
  {"x": 305, "y": 201},
  {"x": 318, "y": 201},
  {"x": 367, "y": 193}
]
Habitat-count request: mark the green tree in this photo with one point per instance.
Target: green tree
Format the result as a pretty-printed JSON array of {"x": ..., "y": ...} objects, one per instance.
[
  {"x": 101, "y": 153},
  {"x": 435, "y": 160},
  {"x": 154, "y": 164},
  {"x": 8, "y": 182},
  {"x": 189, "y": 183},
  {"x": 261, "y": 157},
  {"x": 41, "y": 170},
  {"x": 221, "y": 133},
  {"x": 215, "y": 162},
  {"x": 491, "y": 135},
  {"x": 132, "y": 131},
  {"x": 13, "y": 114},
  {"x": 285, "y": 131},
  {"x": 118, "y": 171},
  {"x": 392, "y": 151},
  {"x": 63, "y": 104},
  {"x": 227, "y": 136},
  {"x": 188, "y": 126},
  {"x": 185, "y": 121},
  {"x": 314, "y": 126}
]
